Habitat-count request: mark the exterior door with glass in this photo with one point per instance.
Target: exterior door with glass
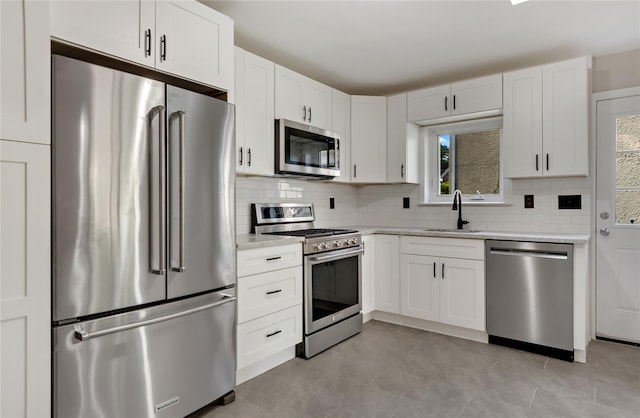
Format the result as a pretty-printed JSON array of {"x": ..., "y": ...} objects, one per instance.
[{"x": 618, "y": 218}]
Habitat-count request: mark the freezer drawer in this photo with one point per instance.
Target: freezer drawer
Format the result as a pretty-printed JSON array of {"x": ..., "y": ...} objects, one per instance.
[
  {"x": 165, "y": 361},
  {"x": 530, "y": 292}
]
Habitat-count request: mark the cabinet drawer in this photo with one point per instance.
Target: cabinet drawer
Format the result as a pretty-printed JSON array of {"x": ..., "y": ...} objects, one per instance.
[
  {"x": 263, "y": 337},
  {"x": 262, "y": 294},
  {"x": 260, "y": 260},
  {"x": 443, "y": 247}
]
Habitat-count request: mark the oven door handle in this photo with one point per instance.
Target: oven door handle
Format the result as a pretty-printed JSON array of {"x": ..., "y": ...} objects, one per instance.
[{"x": 335, "y": 256}]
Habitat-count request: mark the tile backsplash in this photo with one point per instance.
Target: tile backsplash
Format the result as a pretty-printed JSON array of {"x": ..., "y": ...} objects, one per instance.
[{"x": 382, "y": 205}]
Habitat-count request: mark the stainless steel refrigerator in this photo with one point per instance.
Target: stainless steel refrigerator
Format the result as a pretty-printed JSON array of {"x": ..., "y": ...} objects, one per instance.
[{"x": 144, "y": 271}]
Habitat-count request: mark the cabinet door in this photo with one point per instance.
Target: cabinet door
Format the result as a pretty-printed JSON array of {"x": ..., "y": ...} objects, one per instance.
[
  {"x": 25, "y": 280},
  {"x": 419, "y": 287},
  {"x": 116, "y": 28},
  {"x": 25, "y": 71},
  {"x": 341, "y": 124},
  {"x": 368, "y": 274},
  {"x": 522, "y": 123},
  {"x": 194, "y": 41},
  {"x": 387, "y": 273},
  {"x": 462, "y": 301},
  {"x": 565, "y": 115},
  {"x": 429, "y": 103},
  {"x": 254, "y": 114},
  {"x": 476, "y": 95},
  {"x": 288, "y": 95},
  {"x": 402, "y": 143},
  {"x": 369, "y": 139},
  {"x": 317, "y": 97}
]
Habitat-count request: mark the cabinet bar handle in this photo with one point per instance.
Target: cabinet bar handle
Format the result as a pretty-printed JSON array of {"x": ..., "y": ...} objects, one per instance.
[
  {"x": 446, "y": 103},
  {"x": 249, "y": 157},
  {"x": 274, "y": 333},
  {"x": 147, "y": 42},
  {"x": 454, "y": 102},
  {"x": 304, "y": 116},
  {"x": 442, "y": 271},
  {"x": 434, "y": 269},
  {"x": 163, "y": 48},
  {"x": 547, "y": 162},
  {"x": 402, "y": 170},
  {"x": 354, "y": 171},
  {"x": 309, "y": 113},
  {"x": 272, "y": 292},
  {"x": 274, "y": 258},
  {"x": 240, "y": 155},
  {"x": 536, "y": 162}
]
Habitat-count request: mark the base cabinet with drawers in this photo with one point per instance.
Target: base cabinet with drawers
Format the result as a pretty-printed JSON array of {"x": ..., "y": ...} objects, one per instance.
[
  {"x": 269, "y": 307},
  {"x": 442, "y": 280}
]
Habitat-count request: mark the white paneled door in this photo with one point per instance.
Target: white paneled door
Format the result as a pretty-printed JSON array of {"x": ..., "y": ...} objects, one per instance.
[{"x": 618, "y": 218}]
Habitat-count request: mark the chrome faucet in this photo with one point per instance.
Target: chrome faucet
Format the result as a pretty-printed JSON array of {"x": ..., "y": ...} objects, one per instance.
[{"x": 457, "y": 205}]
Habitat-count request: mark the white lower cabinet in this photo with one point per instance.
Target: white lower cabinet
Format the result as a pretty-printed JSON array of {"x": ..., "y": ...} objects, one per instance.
[
  {"x": 368, "y": 275},
  {"x": 269, "y": 308},
  {"x": 387, "y": 271},
  {"x": 448, "y": 290}
]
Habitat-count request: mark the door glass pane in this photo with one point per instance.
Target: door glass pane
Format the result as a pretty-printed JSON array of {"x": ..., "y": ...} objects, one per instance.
[
  {"x": 334, "y": 286},
  {"x": 307, "y": 149},
  {"x": 628, "y": 170}
]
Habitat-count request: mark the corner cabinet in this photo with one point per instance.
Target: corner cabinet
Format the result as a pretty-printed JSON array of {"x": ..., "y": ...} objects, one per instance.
[
  {"x": 545, "y": 126},
  {"x": 442, "y": 280},
  {"x": 402, "y": 143},
  {"x": 302, "y": 99},
  {"x": 483, "y": 94},
  {"x": 341, "y": 124},
  {"x": 254, "y": 93},
  {"x": 368, "y": 139},
  {"x": 182, "y": 38}
]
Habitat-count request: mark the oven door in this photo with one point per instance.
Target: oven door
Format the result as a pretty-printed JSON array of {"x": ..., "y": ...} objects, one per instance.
[
  {"x": 307, "y": 150},
  {"x": 333, "y": 287}
]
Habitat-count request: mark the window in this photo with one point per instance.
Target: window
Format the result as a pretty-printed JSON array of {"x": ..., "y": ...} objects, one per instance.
[{"x": 464, "y": 156}]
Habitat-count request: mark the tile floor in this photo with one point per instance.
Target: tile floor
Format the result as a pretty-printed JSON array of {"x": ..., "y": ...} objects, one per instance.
[{"x": 394, "y": 371}]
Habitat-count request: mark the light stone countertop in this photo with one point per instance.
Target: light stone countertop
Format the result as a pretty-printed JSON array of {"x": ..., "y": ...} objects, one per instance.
[
  {"x": 453, "y": 233},
  {"x": 251, "y": 241}
]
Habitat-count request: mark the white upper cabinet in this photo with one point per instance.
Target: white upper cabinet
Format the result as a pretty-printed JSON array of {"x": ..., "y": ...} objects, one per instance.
[
  {"x": 183, "y": 38},
  {"x": 546, "y": 120},
  {"x": 254, "y": 91},
  {"x": 369, "y": 139},
  {"x": 341, "y": 124},
  {"x": 483, "y": 94},
  {"x": 302, "y": 99},
  {"x": 402, "y": 143},
  {"x": 25, "y": 71}
]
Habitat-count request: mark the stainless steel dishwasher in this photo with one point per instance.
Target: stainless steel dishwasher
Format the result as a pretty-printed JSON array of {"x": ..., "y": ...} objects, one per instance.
[{"x": 530, "y": 296}]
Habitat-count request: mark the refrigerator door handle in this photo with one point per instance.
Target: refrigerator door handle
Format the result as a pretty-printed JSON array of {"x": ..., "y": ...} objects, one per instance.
[
  {"x": 181, "y": 118},
  {"x": 83, "y": 335},
  {"x": 162, "y": 184}
]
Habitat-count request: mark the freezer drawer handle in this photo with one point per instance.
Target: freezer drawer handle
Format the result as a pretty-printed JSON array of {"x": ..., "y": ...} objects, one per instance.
[
  {"x": 181, "y": 116},
  {"x": 83, "y": 335},
  {"x": 531, "y": 253}
]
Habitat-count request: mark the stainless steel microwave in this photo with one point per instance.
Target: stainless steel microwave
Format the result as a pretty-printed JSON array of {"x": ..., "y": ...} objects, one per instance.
[{"x": 304, "y": 150}]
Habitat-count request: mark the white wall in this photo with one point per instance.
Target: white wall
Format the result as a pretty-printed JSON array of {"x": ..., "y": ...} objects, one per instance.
[{"x": 381, "y": 205}]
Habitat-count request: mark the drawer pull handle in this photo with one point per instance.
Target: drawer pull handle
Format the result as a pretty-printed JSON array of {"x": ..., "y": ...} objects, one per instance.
[
  {"x": 274, "y": 333},
  {"x": 274, "y": 258},
  {"x": 271, "y": 292}
]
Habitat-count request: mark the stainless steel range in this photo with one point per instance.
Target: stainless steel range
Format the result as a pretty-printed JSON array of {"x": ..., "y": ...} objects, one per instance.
[{"x": 332, "y": 273}]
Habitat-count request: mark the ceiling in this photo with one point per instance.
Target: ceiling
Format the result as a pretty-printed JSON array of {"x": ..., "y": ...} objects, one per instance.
[{"x": 384, "y": 47}]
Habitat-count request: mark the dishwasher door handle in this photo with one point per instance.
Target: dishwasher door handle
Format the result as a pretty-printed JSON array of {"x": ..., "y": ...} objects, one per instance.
[{"x": 530, "y": 253}]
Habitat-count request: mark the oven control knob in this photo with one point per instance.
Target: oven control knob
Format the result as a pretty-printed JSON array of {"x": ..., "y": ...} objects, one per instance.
[
  {"x": 325, "y": 246},
  {"x": 316, "y": 247},
  {"x": 337, "y": 244}
]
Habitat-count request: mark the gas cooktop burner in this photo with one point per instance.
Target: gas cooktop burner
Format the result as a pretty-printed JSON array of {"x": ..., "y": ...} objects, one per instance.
[{"x": 314, "y": 232}]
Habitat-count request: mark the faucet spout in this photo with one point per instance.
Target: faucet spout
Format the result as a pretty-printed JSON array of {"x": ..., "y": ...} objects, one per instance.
[{"x": 457, "y": 205}]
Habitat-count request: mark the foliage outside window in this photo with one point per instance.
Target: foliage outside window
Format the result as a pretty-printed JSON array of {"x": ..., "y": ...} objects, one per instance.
[{"x": 464, "y": 156}]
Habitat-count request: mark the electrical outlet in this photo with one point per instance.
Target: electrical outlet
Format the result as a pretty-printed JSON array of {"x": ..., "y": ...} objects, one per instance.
[
  {"x": 570, "y": 202},
  {"x": 405, "y": 203},
  {"x": 528, "y": 201},
  {"x": 332, "y": 203}
]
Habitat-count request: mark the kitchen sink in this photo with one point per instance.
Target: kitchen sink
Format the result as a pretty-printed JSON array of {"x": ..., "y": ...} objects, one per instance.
[{"x": 454, "y": 230}]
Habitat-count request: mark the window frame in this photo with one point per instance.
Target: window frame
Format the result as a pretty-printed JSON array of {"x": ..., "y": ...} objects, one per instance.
[{"x": 430, "y": 177}]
